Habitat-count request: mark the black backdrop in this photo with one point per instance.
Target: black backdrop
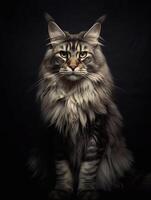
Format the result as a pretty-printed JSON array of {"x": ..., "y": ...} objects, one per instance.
[{"x": 23, "y": 36}]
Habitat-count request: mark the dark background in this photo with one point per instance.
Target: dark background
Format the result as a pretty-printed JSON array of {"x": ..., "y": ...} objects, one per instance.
[{"x": 23, "y": 39}]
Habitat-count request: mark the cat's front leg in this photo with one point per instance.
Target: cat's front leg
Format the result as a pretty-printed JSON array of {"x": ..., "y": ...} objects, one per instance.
[
  {"x": 87, "y": 175},
  {"x": 64, "y": 181}
]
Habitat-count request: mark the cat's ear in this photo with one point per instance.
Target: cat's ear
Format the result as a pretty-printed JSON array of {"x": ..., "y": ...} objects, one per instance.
[
  {"x": 93, "y": 34},
  {"x": 55, "y": 33}
]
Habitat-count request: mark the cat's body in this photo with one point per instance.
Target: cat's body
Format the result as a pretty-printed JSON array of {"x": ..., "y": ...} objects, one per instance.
[{"x": 76, "y": 97}]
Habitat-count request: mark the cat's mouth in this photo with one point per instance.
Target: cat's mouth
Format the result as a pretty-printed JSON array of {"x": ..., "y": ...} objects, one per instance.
[{"x": 73, "y": 76}]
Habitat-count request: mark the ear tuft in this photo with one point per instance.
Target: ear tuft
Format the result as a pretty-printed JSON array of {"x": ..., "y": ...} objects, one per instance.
[
  {"x": 48, "y": 17},
  {"x": 102, "y": 19}
]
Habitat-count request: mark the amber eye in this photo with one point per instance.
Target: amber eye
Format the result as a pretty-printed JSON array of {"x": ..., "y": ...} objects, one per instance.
[
  {"x": 63, "y": 54},
  {"x": 83, "y": 54}
]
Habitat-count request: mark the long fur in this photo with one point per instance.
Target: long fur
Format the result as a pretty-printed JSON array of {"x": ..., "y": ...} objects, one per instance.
[{"x": 82, "y": 110}]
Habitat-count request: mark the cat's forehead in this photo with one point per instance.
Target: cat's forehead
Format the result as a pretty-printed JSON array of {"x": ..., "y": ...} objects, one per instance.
[{"x": 73, "y": 46}]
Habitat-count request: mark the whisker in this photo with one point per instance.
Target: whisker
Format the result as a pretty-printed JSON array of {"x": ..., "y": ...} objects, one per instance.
[
  {"x": 36, "y": 84},
  {"x": 102, "y": 79},
  {"x": 95, "y": 77},
  {"x": 119, "y": 88}
]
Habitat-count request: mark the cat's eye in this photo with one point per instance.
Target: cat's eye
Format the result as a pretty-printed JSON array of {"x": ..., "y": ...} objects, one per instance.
[
  {"x": 63, "y": 54},
  {"x": 83, "y": 54}
]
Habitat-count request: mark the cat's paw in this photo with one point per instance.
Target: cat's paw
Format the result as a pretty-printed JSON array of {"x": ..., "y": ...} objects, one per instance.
[
  {"x": 59, "y": 195},
  {"x": 88, "y": 195}
]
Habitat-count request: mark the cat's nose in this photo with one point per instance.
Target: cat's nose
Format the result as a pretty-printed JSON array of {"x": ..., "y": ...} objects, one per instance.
[
  {"x": 73, "y": 63},
  {"x": 73, "y": 67}
]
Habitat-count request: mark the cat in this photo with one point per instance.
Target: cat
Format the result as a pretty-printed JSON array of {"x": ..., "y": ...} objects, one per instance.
[{"x": 76, "y": 97}]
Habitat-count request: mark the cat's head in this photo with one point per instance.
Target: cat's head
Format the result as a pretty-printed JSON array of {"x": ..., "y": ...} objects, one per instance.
[{"x": 73, "y": 56}]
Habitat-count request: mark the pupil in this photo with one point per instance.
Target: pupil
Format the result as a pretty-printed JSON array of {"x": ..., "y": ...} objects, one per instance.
[
  {"x": 63, "y": 53},
  {"x": 83, "y": 54}
]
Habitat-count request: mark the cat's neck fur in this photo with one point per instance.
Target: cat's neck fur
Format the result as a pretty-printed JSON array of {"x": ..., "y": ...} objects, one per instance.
[{"x": 70, "y": 106}]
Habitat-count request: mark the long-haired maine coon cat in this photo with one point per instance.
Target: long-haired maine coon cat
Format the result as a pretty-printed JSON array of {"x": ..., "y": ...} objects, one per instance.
[{"x": 76, "y": 96}]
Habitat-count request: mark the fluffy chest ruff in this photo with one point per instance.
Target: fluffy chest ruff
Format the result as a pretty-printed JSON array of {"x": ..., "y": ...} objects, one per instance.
[{"x": 71, "y": 109}]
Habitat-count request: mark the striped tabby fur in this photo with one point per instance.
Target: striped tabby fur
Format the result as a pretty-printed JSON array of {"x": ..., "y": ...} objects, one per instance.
[{"x": 76, "y": 97}]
